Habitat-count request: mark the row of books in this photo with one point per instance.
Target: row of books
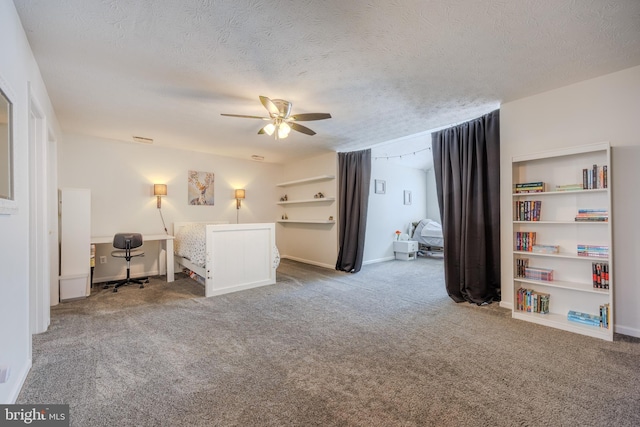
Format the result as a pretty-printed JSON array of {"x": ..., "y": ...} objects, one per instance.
[
  {"x": 569, "y": 187},
  {"x": 525, "y": 240},
  {"x": 600, "y": 275},
  {"x": 532, "y": 301},
  {"x": 602, "y": 319},
  {"x": 527, "y": 210},
  {"x": 605, "y": 316},
  {"x": 521, "y": 264},
  {"x": 546, "y": 249},
  {"x": 595, "y": 177},
  {"x": 536, "y": 273},
  {"x": 592, "y": 215},
  {"x": 598, "y": 251},
  {"x": 530, "y": 187}
]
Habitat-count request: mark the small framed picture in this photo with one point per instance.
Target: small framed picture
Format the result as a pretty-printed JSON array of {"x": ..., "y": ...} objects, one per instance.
[
  {"x": 407, "y": 197},
  {"x": 381, "y": 186}
]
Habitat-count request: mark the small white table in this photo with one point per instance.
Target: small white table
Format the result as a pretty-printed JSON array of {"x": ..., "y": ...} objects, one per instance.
[
  {"x": 405, "y": 250},
  {"x": 166, "y": 242}
]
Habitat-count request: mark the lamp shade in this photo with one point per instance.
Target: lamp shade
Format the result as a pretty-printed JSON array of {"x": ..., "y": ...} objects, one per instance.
[
  {"x": 239, "y": 194},
  {"x": 159, "y": 189}
]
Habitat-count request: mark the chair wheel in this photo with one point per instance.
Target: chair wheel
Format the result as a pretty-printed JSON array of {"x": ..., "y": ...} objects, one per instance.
[
  {"x": 141, "y": 286},
  {"x": 115, "y": 289}
]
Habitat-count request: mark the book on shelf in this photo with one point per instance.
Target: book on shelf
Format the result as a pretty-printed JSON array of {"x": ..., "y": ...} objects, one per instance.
[
  {"x": 596, "y": 251},
  {"x": 595, "y": 177},
  {"x": 592, "y": 215},
  {"x": 546, "y": 249},
  {"x": 605, "y": 316},
  {"x": 584, "y": 318},
  {"x": 527, "y": 210},
  {"x": 569, "y": 187},
  {"x": 600, "y": 275},
  {"x": 525, "y": 240},
  {"x": 602, "y": 319},
  {"x": 530, "y": 187},
  {"x": 535, "y": 273},
  {"x": 532, "y": 301},
  {"x": 521, "y": 264}
]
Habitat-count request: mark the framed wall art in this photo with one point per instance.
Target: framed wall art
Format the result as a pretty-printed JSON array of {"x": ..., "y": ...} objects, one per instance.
[
  {"x": 200, "y": 188},
  {"x": 407, "y": 197}
]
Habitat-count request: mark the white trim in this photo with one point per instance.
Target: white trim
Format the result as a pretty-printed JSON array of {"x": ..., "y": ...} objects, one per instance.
[
  {"x": 627, "y": 330},
  {"x": 10, "y": 206},
  {"x": 22, "y": 377}
]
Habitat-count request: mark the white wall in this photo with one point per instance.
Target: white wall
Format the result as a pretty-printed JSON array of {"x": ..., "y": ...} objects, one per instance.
[
  {"x": 121, "y": 175},
  {"x": 606, "y": 108},
  {"x": 315, "y": 244},
  {"x": 387, "y": 212},
  {"x": 433, "y": 209},
  {"x": 19, "y": 69}
]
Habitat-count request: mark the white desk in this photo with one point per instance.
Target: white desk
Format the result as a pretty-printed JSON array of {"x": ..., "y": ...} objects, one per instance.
[{"x": 166, "y": 243}]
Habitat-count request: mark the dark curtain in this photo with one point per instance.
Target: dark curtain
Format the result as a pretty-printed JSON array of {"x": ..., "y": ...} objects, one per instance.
[
  {"x": 467, "y": 171},
  {"x": 354, "y": 176}
]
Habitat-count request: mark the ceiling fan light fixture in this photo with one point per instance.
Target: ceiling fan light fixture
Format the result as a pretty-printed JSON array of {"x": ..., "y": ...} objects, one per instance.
[
  {"x": 269, "y": 129},
  {"x": 283, "y": 130}
]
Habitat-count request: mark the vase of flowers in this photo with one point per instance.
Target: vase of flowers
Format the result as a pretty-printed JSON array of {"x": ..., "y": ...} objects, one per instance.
[{"x": 398, "y": 233}]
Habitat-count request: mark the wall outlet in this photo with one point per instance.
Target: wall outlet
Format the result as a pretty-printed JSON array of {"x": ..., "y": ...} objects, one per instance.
[
  {"x": 4, "y": 373},
  {"x": 103, "y": 259}
]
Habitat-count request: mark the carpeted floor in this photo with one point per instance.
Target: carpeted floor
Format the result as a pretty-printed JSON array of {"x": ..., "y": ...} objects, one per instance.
[{"x": 383, "y": 347}]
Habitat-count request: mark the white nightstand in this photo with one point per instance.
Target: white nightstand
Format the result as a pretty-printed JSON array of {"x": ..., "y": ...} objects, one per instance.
[{"x": 405, "y": 250}]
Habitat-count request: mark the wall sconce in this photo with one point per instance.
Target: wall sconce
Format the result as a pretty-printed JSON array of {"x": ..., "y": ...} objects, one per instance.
[
  {"x": 239, "y": 195},
  {"x": 159, "y": 190}
]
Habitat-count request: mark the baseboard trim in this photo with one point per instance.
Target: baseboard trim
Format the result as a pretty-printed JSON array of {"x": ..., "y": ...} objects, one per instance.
[
  {"x": 16, "y": 387},
  {"x": 626, "y": 330},
  {"x": 505, "y": 304},
  {"x": 375, "y": 261},
  {"x": 306, "y": 261}
]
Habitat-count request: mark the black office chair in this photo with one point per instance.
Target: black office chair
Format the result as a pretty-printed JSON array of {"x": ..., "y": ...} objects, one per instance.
[{"x": 126, "y": 244}]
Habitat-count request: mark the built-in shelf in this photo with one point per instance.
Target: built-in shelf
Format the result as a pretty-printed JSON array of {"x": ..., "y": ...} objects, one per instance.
[
  {"x": 560, "y": 321},
  {"x": 315, "y": 200},
  {"x": 563, "y": 255},
  {"x": 575, "y": 291},
  {"x": 555, "y": 193},
  {"x": 580, "y": 287},
  {"x": 307, "y": 180},
  {"x": 562, "y": 222},
  {"x": 307, "y": 221}
]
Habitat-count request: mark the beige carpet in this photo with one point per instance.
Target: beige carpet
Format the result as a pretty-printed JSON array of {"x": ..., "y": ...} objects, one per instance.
[{"x": 384, "y": 347}]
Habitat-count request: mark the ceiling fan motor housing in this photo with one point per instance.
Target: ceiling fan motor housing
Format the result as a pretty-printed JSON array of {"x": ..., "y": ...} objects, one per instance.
[{"x": 284, "y": 107}]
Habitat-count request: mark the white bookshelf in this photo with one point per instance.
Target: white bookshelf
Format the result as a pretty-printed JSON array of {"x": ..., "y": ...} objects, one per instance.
[
  {"x": 572, "y": 287},
  {"x": 303, "y": 206}
]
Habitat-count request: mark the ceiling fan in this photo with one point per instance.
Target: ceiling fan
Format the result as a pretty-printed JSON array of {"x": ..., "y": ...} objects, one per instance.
[{"x": 281, "y": 120}]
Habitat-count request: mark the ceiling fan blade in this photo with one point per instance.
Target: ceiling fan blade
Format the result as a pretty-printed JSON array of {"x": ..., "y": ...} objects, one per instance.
[
  {"x": 301, "y": 128},
  {"x": 261, "y": 131},
  {"x": 310, "y": 116},
  {"x": 246, "y": 117},
  {"x": 270, "y": 106}
]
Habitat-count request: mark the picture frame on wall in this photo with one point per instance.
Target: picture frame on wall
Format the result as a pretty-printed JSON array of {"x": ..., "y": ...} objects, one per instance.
[
  {"x": 380, "y": 186},
  {"x": 200, "y": 188},
  {"x": 407, "y": 197}
]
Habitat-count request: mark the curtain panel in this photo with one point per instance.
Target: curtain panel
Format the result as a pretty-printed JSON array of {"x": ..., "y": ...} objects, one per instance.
[
  {"x": 354, "y": 176},
  {"x": 467, "y": 171}
]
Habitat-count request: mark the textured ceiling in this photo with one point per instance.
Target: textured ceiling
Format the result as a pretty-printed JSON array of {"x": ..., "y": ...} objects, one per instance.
[{"x": 384, "y": 69}]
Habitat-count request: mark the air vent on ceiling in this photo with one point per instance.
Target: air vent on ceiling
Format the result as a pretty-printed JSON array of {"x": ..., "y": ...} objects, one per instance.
[
  {"x": 257, "y": 158},
  {"x": 143, "y": 140}
]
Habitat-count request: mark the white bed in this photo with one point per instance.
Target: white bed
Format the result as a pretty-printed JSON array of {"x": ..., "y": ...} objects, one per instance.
[
  {"x": 428, "y": 233},
  {"x": 230, "y": 257}
]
